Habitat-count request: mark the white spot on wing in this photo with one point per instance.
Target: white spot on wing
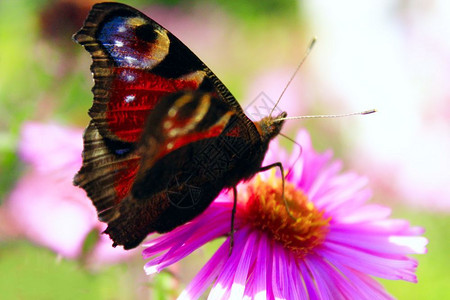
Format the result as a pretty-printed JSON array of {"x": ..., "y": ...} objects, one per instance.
[
  {"x": 142, "y": 62},
  {"x": 121, "y": 29},
  {"x": 127, "y": 77},
  {"x": 129, "y": 59},
  {"x": 118, "y": 43},
  {"x": 129, "y": 98}
]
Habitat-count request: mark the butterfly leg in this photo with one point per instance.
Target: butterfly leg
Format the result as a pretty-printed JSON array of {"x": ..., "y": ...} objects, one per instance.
[
  {"x": 279, "y": 165},
  {"x": 233, "y": 214}
]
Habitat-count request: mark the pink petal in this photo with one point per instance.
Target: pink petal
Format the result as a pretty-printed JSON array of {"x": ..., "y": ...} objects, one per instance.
[
  {"x": 218, "y": 214},
  {"x": 182, "y": 248},
  {"x": 262, "y": 261},
  {"x": 371, "y": 241},
  {"x": 242, "y": 270},
  {"x": 49, "y": 147},
  {"x": 366, "y": 286},
  {"x": 379, "y": 227},
  {"x": 52, "y": 212},
  {"x": 224, "y": 282},
  {"x": 321, "y": 182},
  {"x": 410, "y": 245},
  {"x": 343, "y": 196},
  {"x": 280, "y": 276},
  {"x": 207, "y": 274},
  {"x": 364, "y": 213},
  {"x": 322, "y": 279},
  {"x": 309, "y": 280},
  {"x": 297, "y": 289},
  {"x": 384, "y": 267}
]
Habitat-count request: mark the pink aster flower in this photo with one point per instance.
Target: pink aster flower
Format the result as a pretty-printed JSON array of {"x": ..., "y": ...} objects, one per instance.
[
  {"x": 333, "y": 248},
  {"x": 45, "y": 207}
]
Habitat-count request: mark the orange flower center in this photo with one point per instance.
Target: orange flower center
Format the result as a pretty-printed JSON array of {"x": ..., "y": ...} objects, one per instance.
[{"x": 265, "y": 210}]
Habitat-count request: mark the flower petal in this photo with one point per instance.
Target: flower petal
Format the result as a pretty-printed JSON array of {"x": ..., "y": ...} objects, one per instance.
[
  {"x": 399, "y": 267},
  {"x": 321, "y": 278},
  {"x": 242, "y": 270},
  {"x": 49, "y": 147},
  {"x": 280, "y": 275},
  {"x": 309, "y": 280},
  {"x": 371, "y": 241},
  {"x": 183, "y": 248},
  {"x": 261, "y": 271},
  {"x": 297, "y": 289},
  {"x": 224, "y": 282},
  {"x": 367, "y": 288},
  {"x": 207, "y": 274}
]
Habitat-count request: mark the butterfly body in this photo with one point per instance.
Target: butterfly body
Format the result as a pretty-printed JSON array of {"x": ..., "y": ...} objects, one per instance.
[{"x": 166, "y": 136}]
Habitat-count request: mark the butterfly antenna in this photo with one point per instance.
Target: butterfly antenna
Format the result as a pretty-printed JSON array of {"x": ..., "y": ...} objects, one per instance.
[
  {"x": 366, "y": 112},
  {"x": 311, "y": 45}
]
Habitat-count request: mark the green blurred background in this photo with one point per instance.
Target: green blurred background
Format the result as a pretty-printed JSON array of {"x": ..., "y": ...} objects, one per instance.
[{"x": 44, "y": 76}]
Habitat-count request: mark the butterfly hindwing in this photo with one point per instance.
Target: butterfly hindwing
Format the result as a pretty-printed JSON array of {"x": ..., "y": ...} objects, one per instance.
[{"x": 192, "y": 147}]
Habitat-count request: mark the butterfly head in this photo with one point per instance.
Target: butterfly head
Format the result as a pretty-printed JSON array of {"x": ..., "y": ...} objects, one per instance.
[{"x": 269, "y": 127}]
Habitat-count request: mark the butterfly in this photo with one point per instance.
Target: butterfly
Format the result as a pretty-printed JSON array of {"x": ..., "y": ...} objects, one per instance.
[{"x": 165, "y": 136}]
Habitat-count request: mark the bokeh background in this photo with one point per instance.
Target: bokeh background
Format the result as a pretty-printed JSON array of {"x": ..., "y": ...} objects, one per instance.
[{"x": 390, "y": 55}]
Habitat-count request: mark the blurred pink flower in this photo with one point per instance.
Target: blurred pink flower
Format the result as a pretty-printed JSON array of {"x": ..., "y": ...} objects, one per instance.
[
  {"x": 45, "y": 206},
  {"x": 330, "y": 251}
]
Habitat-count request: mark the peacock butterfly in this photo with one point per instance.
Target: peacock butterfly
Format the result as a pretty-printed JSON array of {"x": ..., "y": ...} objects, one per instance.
[{"x": 166, "y": 136}]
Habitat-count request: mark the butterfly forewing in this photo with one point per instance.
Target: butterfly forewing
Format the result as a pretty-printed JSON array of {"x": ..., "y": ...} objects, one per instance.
[{"x": 136, "y": 62}]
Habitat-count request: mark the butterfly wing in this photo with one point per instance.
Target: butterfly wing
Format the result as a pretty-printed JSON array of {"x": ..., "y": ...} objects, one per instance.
[
  {"x": 137, "y": 64},
  {"x": 193, "y": 146}
]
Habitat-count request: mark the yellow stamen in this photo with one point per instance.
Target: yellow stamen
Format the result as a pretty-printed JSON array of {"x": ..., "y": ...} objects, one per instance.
[{"x": 265, "y": 210}]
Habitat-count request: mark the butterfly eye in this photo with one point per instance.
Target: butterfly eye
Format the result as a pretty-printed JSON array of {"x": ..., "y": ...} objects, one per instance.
[{"x": 146, "y": 33}]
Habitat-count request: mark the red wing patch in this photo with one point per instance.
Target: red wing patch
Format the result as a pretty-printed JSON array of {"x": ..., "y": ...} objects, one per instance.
[
  {"x": 134, "y": 93},
  {"x": 124, "y": 178},
  {"x": 178, "y": 142}
]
